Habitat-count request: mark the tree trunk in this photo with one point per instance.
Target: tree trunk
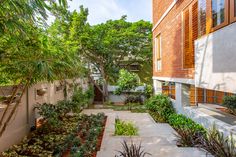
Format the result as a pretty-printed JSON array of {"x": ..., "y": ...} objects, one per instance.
[
  {"x": 9, "y": 103},
  {"x": 105, "y": 84},
  {"x": 3, "y": 128}
]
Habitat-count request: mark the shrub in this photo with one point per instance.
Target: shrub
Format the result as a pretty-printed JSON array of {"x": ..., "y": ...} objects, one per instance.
[
  {"x": 132, "y": 151},
  {"x": 218, "y": 145},
  {"x": 148, "y": 91},
  {"x": 230, "y": 103},
  {"x": 179, "y": 121},
  {"x": 49, "y": 112},
  {"x": 162, "y": 105},
  {"x": 65, "y": 106},
  {"x": 125, "y": 128},
  {"x": 134, "y": 99}
]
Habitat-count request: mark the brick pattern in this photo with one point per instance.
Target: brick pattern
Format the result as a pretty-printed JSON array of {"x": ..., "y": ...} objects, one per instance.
[
  {"x": 171, "y": 39},
  {"x": 159, "y": 8}
]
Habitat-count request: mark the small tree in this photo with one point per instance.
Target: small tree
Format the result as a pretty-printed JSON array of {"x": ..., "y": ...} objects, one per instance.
[{"x": 126, "y": 82}]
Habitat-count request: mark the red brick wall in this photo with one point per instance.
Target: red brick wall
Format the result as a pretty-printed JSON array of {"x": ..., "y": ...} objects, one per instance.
[
  {"x": 171, "y": 39},
  {"x": 159, "y": 7}
]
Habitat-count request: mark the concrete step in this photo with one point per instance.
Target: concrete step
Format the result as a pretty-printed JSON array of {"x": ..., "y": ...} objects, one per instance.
[
  {"x": 162, "y": 151},
  {"x": 115, "y": 142}
]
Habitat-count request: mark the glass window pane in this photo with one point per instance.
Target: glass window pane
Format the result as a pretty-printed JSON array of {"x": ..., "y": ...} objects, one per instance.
[
  {"x": 235, "y": 8},
  {"x": 202, "y": 17},
  {"x": 218, "y": 12}
]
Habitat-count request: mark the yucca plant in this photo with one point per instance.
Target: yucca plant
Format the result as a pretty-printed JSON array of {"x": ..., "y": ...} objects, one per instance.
[
  {"x": 132, "y": 150},
  {"x": 217, "y": 144}
]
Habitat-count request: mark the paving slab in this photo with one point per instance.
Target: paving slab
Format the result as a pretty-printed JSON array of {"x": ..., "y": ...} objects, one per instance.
[{"x": 156, "y": 138}]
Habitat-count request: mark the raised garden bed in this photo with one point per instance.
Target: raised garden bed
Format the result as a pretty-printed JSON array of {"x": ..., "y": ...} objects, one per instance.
[{"x": 77, "y": 135}]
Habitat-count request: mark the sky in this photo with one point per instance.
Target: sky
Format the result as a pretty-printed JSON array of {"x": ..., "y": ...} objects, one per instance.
[{"x": 102, "y": 10}]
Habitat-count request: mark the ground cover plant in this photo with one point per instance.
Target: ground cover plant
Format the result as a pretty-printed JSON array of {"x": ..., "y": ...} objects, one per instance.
[
  {"x": 68, "y": 135},
  {"x": 132, "y": 150},
  {"x": 125, "y": 128}
]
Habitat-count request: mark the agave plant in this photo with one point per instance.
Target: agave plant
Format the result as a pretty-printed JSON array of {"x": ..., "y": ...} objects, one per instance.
[{"x": 132, "y": 150}]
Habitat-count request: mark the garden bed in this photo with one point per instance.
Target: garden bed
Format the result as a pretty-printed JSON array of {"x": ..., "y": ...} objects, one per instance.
[{"x": 77, "y": 135}]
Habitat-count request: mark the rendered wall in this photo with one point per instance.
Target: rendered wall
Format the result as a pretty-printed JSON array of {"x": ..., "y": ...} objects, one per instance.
[
  {"x": 215, "y": 60},
  {"x": 25, "y": 115}
]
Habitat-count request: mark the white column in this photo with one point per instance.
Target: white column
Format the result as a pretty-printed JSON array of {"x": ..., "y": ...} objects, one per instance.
[
  {"x": 182, "y": 96},
  {"x": 157, "y": 87}
]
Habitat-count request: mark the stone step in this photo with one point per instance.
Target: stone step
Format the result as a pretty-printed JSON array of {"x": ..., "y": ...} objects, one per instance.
[
  {"x": 162, "y": 151},
  {"x": 115, "y": 141}
]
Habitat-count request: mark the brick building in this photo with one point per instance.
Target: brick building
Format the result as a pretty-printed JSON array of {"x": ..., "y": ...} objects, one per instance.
[{"x": 194, "y": 50}]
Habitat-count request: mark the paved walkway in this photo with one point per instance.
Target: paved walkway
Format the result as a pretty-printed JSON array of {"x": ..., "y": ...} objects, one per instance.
[{"x": 156, "y": 138}]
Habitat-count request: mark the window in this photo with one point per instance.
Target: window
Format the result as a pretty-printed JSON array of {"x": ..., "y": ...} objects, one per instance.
[
  {"x": 219, "y": 13},
  {"x": 158, "y": 53},
  {"x": 232, "y": 10},
  {"x": 190, "y": 29},
  {"x": 202, "y": 17}
]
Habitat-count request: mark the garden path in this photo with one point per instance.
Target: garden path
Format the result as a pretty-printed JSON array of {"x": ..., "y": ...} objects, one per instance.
[{"x": 156, "y": 138}]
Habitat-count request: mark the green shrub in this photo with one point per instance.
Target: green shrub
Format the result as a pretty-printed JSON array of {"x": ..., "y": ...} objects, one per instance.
[
  {"x": 65, "y": 106},
  {"x": 179, "y": 121},
  {"x": 125, "y": 128},
  {"x": 160, "y": 104},
  {"x": 230, "y": 103},
  {"x": 134, "y": 99},
  {"x": 49, "y": 112}
]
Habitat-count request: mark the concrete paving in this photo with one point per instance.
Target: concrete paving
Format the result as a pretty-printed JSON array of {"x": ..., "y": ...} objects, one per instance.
[{"x": 158, "y": 139}]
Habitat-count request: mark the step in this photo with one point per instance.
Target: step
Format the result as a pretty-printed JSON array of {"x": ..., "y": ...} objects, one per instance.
[
  {"x": 114, "y": 142},
  {"x": 162, "y": 151}
]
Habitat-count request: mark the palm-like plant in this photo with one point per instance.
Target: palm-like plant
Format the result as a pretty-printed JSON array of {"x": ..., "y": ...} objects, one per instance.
[{"x": 34, "y": 57}]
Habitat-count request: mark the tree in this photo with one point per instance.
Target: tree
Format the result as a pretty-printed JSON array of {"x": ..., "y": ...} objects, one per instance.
[
  {"x": 39, "y": 55},
  {"x": 107, "y": 45},
  {"x": 127, "y": 82}
]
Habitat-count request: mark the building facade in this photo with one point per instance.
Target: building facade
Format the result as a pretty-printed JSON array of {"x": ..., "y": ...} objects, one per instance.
[{"x": 194, "y": 50}]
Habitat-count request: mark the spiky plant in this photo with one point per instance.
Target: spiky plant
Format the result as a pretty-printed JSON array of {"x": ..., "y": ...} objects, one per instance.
[
  {"x": 217, "y": 144},
  {"x": 132, "y": 150},
  {"x": 187, "y": 137}
]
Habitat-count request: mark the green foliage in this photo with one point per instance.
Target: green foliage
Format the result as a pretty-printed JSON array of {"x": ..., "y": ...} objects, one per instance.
[
  {"x": 187, "y": 137},
  {"x": 218, "y": 145},
  {"x": 148, "y": 91},
  {"x": 82, "y": 97},
  {"x": 132, "y": 150},
  {"x": 49, "y": 112},
  {"x": 161, "y": 105},
  {"x": 230, "y": 103},
  {"x": 125, "y": 128},
  {"x": 89, "y": 94},
  {"x": 179, "y": 121},
  {"x": 127, "y": 81},
  {"x": 133, "y": 99},
  {"x": 55, "y": 141}
]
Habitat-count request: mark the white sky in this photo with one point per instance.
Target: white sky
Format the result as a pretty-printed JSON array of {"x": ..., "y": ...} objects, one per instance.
[{"x": 103, "y": 10}]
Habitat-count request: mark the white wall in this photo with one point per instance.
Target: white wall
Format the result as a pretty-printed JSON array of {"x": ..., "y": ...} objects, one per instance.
[{"x": 215, "y": 60}]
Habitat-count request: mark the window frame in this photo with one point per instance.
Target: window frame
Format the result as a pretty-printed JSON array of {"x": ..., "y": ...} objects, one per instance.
[
  {"x": 232, "y": 10},
  {"x": 158, "y": 60},
  {"x": 210, "y": 18}
]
